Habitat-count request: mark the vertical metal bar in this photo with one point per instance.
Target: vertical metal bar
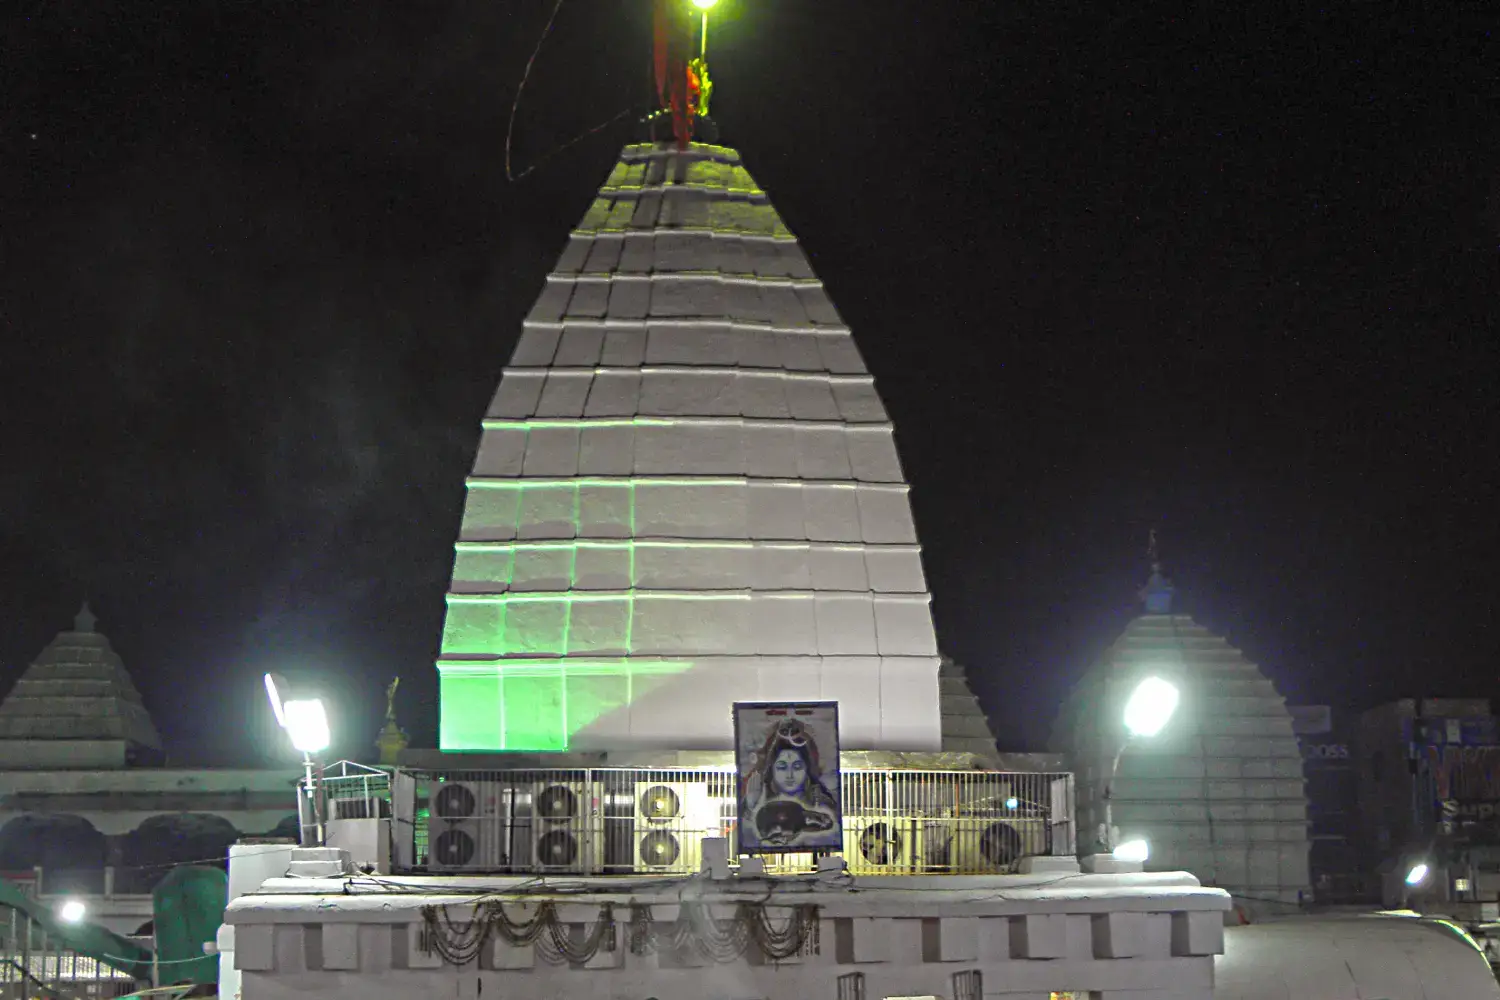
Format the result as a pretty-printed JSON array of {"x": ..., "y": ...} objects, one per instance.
[
  {"x": 25, "y": 948},
  {"x": 592, "y": 807}
]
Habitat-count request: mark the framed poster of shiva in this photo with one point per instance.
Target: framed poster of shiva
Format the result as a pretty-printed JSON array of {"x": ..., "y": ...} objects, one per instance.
[{"x": 786, "y": 760}]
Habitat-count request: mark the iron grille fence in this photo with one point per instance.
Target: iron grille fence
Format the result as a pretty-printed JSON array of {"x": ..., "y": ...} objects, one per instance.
[
  {"x": 634, "y": 820},
  {"x": 34, "y": 964},
  {"x": 352, "y": 791}
]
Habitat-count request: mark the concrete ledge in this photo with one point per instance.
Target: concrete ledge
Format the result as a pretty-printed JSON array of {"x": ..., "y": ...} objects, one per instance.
[
  {"x": 1144, "y": 936},
  {"x": 394, "y": 899}
]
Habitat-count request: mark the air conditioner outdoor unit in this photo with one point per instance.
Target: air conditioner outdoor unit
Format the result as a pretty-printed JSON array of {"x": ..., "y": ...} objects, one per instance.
[
  {"x": 469, "y": 827},
  {"x": 883, "y": 844},
  {"x": 671, "y": 820},
  {"x": 984, "y": 844},
  {"x": 564, "y": 833}
]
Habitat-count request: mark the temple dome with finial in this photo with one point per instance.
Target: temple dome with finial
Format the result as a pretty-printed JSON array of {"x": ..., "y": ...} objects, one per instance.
[
  {"x": 687, "y": 494},
  {"x": 75, "y": 707},
  {"x": 966, "y": 729},
  {"x": 1219, "y": 792}
]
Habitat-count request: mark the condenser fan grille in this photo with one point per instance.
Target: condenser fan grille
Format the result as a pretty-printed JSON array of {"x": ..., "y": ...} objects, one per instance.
[
  {"x": 557, "y": 802},
  {"x": 453, "y": 848},
  {"x": 659, "y": 849},
  {"x": 880, "y": 844},
  {"x": 557, "y": 849},
  {"x": 660, "y": 802},
  {"x": 1000, "y": 844},
  {"x": 455, "y": 802}
]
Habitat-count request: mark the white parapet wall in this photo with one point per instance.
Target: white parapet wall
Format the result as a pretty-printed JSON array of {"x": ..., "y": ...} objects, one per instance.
[{"x": 1105, "y": 937}]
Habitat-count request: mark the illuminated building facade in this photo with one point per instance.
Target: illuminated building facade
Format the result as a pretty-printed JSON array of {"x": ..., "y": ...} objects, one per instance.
[
  {"x": 1330, "y": 751},
  {"x": 687, "y": 494},
  {"x": 1219, "y": 792}
]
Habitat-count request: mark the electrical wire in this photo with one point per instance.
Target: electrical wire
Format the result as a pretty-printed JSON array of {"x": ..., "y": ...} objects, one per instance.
[
  {"x": 222, "y": 859},
  {"x": 515, "y": 105}
]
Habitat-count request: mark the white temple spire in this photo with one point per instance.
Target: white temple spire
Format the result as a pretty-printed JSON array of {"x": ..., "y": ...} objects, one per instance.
[{"x": 687, "y": 494}]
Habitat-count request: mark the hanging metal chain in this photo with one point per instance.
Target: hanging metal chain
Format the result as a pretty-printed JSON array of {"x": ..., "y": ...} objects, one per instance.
[
  {"x": 461, "y": 942},
  {"x": 798, "y": 936},
  {"x": 725, "y": 941},
  {"x": 521, "y": 934},
  {"x": 641, "y": 932},
  {"x": 558, "y": 948},
  {"x": 721, "y": 941},
  {"x": 457, "y": 943}
]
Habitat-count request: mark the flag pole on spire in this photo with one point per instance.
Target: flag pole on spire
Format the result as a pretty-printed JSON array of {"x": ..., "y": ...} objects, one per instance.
[{"x": 682, "y": 83}]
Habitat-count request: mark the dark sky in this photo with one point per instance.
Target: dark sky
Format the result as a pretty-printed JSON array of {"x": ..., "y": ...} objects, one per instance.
[{"x": 1226, "y": 269}]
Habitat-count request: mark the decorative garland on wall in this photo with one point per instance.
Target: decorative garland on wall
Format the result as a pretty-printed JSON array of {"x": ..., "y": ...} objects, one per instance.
[
  {"x": 726, "y": 941},
  {"x": 695, "y": 929}
]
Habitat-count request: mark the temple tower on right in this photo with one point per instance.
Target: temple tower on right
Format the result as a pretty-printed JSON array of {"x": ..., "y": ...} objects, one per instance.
[{"x": 1219, "y": 791}]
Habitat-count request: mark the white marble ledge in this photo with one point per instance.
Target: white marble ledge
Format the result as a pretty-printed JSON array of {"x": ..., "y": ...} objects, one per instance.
[
  {"x": 711, "y": 324},
  {"x": 786, "y": 374},
  {"x": 392, "y": 899},
  {"x": 743, "y": 278}
]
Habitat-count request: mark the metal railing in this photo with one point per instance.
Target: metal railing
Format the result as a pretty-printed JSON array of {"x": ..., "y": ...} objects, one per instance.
[
  {"x": 634, "y": 820},
  {"x": 35, "y": 964}
]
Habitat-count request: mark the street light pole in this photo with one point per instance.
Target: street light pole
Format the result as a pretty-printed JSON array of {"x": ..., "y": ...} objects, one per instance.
[
  {"x": 1109, "y": 796},
  {"x": 306, "y": 722},
  {"x": 313, "y": 806},
  {"x": 1147, "y": 711}
]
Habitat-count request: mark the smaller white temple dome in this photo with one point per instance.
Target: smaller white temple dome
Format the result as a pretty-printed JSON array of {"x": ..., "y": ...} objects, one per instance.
[{"x": 75, "y": 707}]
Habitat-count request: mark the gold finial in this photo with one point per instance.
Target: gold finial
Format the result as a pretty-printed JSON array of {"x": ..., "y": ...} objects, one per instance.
[
  {"x": 390, "y": 699},
  {"x": 392, "y": 739}
]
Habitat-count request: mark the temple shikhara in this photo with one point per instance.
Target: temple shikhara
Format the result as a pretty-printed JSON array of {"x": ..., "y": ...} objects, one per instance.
[
  {"x": 1220, "y": 792},
  {"x": 696, "y": 738},
  {"x": 687, "y": 494}
]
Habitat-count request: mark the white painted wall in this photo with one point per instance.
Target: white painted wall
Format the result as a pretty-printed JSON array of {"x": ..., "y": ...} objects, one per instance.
[
  {"x": 250, "y": 865},
  {"x": 1141, "y": 937}
]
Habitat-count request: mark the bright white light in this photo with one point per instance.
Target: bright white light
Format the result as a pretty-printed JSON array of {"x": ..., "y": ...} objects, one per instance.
[
  {"x": 1418, "y": 874},
  {"x": 307, "y": 724},
  {"x": 1134, "y": 851},
  {"x": 1012, "y": 802},
  {"x": 72, "y": 912},
  {"x": 274, "y": 688},
  {"x": 704, "y": 4},
  {"x": 1150, "y": 706}
]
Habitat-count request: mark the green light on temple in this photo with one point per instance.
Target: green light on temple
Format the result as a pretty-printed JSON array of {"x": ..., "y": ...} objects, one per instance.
[{"x": 537, "y": 705}]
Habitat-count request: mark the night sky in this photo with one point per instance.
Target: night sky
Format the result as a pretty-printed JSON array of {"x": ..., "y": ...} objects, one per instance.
[{"x": 1226, "y": 270}]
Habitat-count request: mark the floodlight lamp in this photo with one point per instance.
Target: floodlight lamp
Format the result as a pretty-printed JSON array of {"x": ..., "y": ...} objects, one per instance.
[
  {"x": 1133, "y": 851},
  {"x": 1418, "y": 873},
  {"x": 704, "y": 4},
  {"x": 307, "y": 724},
  {"x": 1150, "y": 706},
  {"x": 276, "y": 690},
  {"x": 1012, "y": 802},
  {"x": 72, "y": 912}
]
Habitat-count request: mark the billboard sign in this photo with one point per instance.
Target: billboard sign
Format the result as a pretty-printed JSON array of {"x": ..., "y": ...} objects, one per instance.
[
  {"x": 1466, "y": 784},
  {"x": 786, "y": 760}
]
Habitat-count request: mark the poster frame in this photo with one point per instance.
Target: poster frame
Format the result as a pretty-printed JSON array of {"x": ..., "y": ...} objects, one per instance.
[{"x": 740, "y": 710}]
